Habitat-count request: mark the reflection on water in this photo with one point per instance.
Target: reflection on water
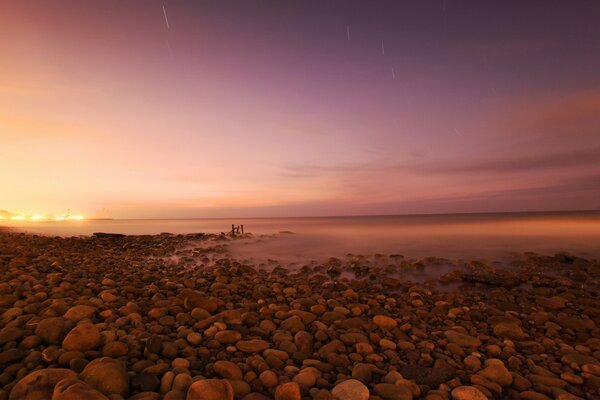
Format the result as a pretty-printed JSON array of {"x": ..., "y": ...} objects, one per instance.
[{"x": 453, "y": 235}]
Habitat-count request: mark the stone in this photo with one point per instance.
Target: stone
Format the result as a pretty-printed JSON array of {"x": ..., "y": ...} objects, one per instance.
[
  {"x": 509, "y": 330},
  {"x": 385, "y": 322},
  {"x": 495, "y": 370},
  {"x": 288, "y": 391},
  {"x": 82, "y": 338},
  {"x": 252, "y": 346},
  {"x": 40, "y": 384},
  {"x": 467, "y": 393},
  {"x": 389, "y": 391},
  {"x": 79, "y": 312},
  {"x": 51, "y": 330},
  {"x": 210, "y": 389},
  {"x": 227, "y": 370},
  {"x": 106, "y": 375},
  {"x": 461, "y": 339},
  {"x": 74, "y": 389},
  {"x": 351, "y": 389}
]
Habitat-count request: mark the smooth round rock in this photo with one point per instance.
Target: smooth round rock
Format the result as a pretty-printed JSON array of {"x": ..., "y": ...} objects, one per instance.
[
  {"x": 210, "y": 389},
  {"x": 106, "y": 375},
  {"x": 40, "y": 384},
  {"x": 467, "y": 393},
  {"x": 82, "y": 338},
  {"x": 351, "y": 389}
]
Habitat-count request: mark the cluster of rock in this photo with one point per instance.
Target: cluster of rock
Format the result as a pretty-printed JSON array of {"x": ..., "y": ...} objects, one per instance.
[{"x": 174, "y": 317}]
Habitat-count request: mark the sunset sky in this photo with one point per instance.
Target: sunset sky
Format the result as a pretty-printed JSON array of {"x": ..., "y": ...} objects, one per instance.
[{"x": 281, "y": 108}]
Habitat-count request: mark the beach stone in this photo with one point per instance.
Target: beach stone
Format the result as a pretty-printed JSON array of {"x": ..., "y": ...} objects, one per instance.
[
  {"x": 40, "y": 384},
  {"x": 51, "y": 330},
  {"x": 467, "y": 393},
  {"x": 228, "y": 336},
  {"x": 389, "y": 391},
  {"x": 79, "y": 312},
  {"x": 106, "y": 375},
  {"x": 288, "y": 391},
  {"x": 11, "y": 334},
  {"x": 495, "y": 370},
  {"x": 210, "y": 389},
  {"x": 508, "y": 330},
  {"x": 351, "y": 389},
  {"x": 227, "y": 370},
  {"x": 575, "y": 323},
  {"x": 74, "y": 389},
  {"x": 115, "y": 349},
  {"x": 461, "y": 339},
  {"x": 385, "y": 322},
  {"x": 252, "y": 346},
  {"x": 82, "y": 338},
  {"x": 268, "y": 378}
]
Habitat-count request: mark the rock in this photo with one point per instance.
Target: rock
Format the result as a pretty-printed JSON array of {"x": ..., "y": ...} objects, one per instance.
[
  {"x": 51, "y": 330},
  {"x": 509, "y": 330},
  {"x": 227, "y": 370},
  {"x": 288, "y": 391},
  {"x": 82, "y": 338},
  {"x": 268, "y": 378},
  {"x": 228, "y": 336},
  {"x": 362, "y": 372},
  {"x": 467, "y": 393},
  {"x": 252, "y": 346},
  {"x": 491, "y": 277},
  {"x": 461, "y": 339},
  {"x": 575, "y": 323},
  {"x": 385, "y": 322},
  {"x": 40, "y": 384},
  {"x": 11, "y": 334},
  {"x": 210, "y": 389},
  {"x": 106, "y": 375},
  {"x": 77, "y": 313},
  {"x": 495, "y": 371},
  {"x": 389, "y": 391},
  {"x": 74, "y": 389},
  {"x": 351, "y": 389}
]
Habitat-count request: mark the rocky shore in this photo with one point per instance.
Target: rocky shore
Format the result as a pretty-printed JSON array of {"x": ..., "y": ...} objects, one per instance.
[{"x": 178, "y": 317}]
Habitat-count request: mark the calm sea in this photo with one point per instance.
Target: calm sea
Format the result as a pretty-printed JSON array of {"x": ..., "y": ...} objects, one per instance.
[{"x": 449, "y": 235}]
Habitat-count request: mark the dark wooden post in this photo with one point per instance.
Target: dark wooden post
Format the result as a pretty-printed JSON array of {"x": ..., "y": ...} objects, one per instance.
[
  {"x": 242, "y": 229},
  {"x": 232, "y": 230}
]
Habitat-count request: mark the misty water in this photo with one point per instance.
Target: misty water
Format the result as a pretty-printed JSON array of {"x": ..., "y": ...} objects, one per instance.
[{"x": 466, "y": 236}]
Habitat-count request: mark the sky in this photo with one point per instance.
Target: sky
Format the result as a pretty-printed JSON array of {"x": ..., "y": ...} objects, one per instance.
[{"x": 256, "y": 108}]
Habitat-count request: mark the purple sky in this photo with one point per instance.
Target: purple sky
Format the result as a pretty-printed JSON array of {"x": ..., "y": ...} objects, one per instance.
[{"x": 271, "y": 108}]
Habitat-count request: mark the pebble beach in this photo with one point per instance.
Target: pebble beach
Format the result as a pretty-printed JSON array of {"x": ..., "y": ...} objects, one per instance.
[{"x": 178, "y": 317}]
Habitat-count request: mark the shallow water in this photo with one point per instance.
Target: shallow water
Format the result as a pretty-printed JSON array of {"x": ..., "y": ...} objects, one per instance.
[{"x": 452, "y": 235}]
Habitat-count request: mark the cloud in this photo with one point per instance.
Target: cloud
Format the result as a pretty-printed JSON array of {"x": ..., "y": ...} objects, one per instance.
[{"x": 515, "y": 164}]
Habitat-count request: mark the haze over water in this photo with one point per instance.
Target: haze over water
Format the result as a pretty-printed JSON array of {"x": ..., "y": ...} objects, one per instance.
[{"x": 448, "y": 235}]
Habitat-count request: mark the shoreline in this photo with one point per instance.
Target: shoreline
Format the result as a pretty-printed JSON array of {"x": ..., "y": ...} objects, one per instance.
[{"x": 176, "y": 316}]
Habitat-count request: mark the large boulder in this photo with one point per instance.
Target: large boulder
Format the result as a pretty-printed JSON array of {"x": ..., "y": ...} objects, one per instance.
[
  {"x": 40, "y": 384},
  {"x": 106, "y": 375},
  {"x": 74, "y": 389}
]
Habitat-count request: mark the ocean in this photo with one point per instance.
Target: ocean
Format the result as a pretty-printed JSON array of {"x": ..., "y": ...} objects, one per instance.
[{"x": 442, "y": 235}]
